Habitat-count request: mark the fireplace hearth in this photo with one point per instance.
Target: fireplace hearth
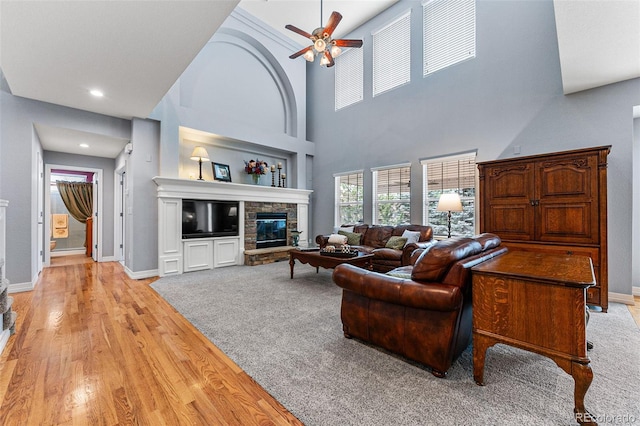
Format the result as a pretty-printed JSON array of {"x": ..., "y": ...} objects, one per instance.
[{"x": 271, "y": 230}]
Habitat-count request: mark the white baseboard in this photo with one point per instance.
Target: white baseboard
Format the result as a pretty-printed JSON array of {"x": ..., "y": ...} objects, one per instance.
[
  {"x": 635, "y": 291},
  {"x": 67, "y": 253},
  {"x": 627, "y": 299},
  {"x": 20, "y": 287},
  {"x": 140, "y": 275},
  {"x": 109, "y": 259}
]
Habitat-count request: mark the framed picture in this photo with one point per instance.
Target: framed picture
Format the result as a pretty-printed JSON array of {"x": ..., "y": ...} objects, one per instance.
[{"x": 221, "y": 172}]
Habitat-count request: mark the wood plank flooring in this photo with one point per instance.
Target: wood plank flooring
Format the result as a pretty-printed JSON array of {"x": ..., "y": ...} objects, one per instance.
[{"x": 95, "y": 347}]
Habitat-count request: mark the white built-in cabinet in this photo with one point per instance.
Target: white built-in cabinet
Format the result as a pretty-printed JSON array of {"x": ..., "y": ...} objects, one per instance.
[{"x": 177, "y": 255}]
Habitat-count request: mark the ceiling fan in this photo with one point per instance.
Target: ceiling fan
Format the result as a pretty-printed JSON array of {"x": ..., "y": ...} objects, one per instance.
[{"x": 323, "y": 45}]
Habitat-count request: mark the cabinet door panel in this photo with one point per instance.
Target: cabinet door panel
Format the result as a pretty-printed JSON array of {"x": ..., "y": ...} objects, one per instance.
[
  {"x": 567, "y": 222},
  {"x": 510, "y": 221},
  {"x": 507, "y": 203},
  {"x": 564, "y": 189}
]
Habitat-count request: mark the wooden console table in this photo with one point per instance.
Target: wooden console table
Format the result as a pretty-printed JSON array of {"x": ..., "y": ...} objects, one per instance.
[{"x": 536, "y": 302}]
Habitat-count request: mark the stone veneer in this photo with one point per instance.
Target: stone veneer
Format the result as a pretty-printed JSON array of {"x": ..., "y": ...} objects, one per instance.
[{"x": 261, "y": 256}]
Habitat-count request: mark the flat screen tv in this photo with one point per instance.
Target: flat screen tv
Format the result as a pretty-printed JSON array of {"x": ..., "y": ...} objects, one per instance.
[{"x": 209, "y": 218}]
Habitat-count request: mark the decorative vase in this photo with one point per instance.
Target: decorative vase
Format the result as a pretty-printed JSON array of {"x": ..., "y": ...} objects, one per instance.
[{"x": 256, "y": 178}]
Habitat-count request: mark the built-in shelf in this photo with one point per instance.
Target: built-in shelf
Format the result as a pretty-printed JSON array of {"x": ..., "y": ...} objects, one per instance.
[{"x": 176, "y": 255}]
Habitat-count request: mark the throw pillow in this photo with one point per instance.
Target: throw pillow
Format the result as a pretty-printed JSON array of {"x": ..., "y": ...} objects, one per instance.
[
  {"x": 396, "y": 242},
  {"x": 353, "y": 238},
  {"x": 342, "y": 228},
  {"x": 337, "y": 239},
  {"x": 411, "y": 236}
]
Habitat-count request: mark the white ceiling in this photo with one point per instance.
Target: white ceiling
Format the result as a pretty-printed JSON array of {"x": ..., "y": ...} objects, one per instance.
[{"x": 56, "y": 51}]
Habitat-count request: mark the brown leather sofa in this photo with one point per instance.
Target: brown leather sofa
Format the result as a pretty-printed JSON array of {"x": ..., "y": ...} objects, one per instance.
[
  {"x": 420, "y": 311},
  {"x": 374, "y": 239}
]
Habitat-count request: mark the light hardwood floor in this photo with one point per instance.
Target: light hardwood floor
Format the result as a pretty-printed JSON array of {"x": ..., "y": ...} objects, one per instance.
[{"x": 94, "y": 347}]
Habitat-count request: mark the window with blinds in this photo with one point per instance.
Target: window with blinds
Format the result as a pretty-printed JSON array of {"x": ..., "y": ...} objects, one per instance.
[
  {"x": 349, "y": 204},
  {"x": 392, "y": 55},
  {"x": 457, "y": 174},
  {"x": 392, "y": 195},
  {"x": 349, "y": 78},
  {"x": 448, "y": 33}
]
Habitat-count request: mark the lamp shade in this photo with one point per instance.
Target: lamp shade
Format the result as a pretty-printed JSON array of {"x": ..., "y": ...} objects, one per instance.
[
  {"x": 449, "y": 203},
  {"x": 199, "y": 153}
]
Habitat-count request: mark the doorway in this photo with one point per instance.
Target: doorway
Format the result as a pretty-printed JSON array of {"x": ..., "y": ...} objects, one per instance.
[{"x": 68, "y": 236}]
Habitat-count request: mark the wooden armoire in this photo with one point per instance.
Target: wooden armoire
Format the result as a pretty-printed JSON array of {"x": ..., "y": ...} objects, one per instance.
[{"x": 554, "y": 203}]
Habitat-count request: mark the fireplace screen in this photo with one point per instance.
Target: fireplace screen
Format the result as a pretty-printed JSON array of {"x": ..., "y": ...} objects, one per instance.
[{"x": 271, "y": 229}]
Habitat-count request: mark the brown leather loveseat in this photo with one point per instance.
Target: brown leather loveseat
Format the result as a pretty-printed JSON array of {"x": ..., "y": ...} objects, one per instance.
[
  {"x": 374, "y": 238},
  {"x": 421, "y": 311}
]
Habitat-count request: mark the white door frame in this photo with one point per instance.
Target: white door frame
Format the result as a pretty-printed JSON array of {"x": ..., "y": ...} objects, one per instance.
[
  {"x": 120, "y": 217},
  {"x": 97, "y": 203}
]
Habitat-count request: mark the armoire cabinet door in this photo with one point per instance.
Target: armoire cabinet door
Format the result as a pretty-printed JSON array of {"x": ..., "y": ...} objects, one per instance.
[
  {"x": 508, "y": 209},
  {"x": 566, "y": 189}
]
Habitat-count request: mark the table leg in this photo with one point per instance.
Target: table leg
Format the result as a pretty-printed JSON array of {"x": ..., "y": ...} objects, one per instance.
[
  {"x": 480, "y": 345},
  {"x": 317, "y": 269},
  {"x": 582, "y": 376},
  {"x": 291, "y": 263}
]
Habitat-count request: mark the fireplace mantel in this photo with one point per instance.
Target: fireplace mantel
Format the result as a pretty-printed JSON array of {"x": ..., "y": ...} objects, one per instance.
[
  {"x": 187, "y": 188},
  {"x": 176, "y": 255}
]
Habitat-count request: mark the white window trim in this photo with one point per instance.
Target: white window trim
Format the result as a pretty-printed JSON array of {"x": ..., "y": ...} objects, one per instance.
[
  {"x": 374, "y": 186},
  {"x": 336, "y": 204},
  {"x": 452, "y": 157}
]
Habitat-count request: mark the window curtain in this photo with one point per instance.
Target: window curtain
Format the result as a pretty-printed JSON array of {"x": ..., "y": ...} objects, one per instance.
[{"x": 78, "y": 198}]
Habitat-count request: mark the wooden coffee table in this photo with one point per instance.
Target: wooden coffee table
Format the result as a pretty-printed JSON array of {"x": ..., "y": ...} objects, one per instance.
[{"x": 314, "y": 258}]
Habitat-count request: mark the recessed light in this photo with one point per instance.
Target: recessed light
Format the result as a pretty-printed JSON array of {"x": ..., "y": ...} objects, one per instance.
[
  {"x": 84, "y": 145},
  {"x": 97, "y": 93}
]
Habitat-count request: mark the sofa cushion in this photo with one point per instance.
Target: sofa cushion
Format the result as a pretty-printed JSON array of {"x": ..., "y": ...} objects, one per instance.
[
  {"x": 387, "y": 253},
  {"x": 436, "y": 260},
  {"x": 396, "y": 242},
  {"x": 377, "y": 236},
  {"x": 353, "y": 238}
]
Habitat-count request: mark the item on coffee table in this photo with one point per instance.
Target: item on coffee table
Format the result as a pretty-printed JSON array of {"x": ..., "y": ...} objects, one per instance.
[
  {"x": 346, "y": 248},
  {"x": 330, "y": 249}
]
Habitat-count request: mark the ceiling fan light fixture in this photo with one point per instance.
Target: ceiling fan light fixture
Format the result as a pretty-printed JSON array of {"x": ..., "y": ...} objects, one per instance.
[
  {"x": 309, "y": 56},
  {"x": 319, "y": 45},
  {"x": 324, "y": 61},
  {"x": 335, "y": 51}
]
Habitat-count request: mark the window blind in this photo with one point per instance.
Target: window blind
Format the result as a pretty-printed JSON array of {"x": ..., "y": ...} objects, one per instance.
[
  {"x": 449, "y": 33},
  {"x": 392, "y": 55},
  {"x": 349, "y": 78}
]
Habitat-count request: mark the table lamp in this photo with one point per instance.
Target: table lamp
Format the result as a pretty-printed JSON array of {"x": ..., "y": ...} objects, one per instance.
[
  {"x": 449, "y": 203},
  {"x": 199, "y": 154}
]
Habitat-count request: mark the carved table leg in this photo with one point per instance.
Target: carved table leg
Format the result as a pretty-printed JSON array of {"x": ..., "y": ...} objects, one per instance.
[
  {"x": 480, "y": 345},
  {"x": 582, "y": 376}
]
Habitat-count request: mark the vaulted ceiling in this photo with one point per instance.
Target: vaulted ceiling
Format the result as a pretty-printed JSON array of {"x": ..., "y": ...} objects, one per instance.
[{"x": 134, "y": 51}]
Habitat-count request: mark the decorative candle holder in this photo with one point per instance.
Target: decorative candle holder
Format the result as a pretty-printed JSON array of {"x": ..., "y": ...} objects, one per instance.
[
  {"x": 273, "y": 178},
  {"x": 283, "y": 179},
  {"x": 279, "y": 170}
]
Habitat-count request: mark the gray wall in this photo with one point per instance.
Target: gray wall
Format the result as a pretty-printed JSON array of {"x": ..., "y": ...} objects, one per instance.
[
  {"x": 509, "y": 95},
  {"x": 107, "y": 165},
  {"x": 244, "y": 98},
  {"x": 141, "y": 248}
]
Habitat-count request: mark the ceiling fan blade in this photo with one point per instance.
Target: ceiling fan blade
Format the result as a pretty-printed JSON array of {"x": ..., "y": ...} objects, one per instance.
[
  {"x": 301, "y": 52},
  {"x": 332, "y": 23},
  {"x": 299, "y": 31},
  {"x": 329, "y": 58},
  {"x": 348, "y": 43}
]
